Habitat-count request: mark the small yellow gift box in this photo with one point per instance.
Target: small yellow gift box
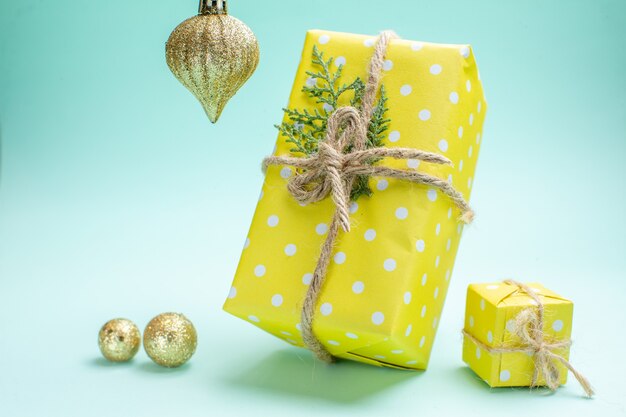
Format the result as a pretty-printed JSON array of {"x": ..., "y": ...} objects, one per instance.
[
  {"x": 388, "y": 277},
  {"x": 494, "y": 345}
]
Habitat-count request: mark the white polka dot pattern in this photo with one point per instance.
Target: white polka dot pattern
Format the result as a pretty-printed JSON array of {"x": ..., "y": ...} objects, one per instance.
[
  {"x": 340, "y": 257},
  {"x": 277, "y": 300},
  {"x": 290, "y": 249},
  {"x": 378, "y": 318},
  {"x": 358, "y": 287},
  {"x": 321, "y": 228},
  {"x": 370, "y": 234},
  {"x": 326, "y": 309}
]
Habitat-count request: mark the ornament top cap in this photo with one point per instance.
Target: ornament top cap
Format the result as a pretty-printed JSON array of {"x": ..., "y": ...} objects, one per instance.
[{"x": 212, "y": 7}]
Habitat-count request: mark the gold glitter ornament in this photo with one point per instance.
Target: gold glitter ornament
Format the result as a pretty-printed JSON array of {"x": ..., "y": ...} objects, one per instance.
[
  {"x": 119, "y": 340},
  {"x": 213, "y": 55},
  {"x": 170, "y": 339}
]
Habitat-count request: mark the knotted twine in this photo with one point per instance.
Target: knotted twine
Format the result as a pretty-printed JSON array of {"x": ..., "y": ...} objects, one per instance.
[
  {"x": 529, "y": 328},
  {"x": 333, "y": 169}
]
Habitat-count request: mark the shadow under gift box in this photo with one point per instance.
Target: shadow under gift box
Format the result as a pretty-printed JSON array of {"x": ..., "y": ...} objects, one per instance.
[{"x": 386, "y": 285}]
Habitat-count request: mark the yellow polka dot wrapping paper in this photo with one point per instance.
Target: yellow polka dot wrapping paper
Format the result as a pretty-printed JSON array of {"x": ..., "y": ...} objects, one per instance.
[
  {"x": 490, "y": 316},
  {"x": 386, "y": 284}
]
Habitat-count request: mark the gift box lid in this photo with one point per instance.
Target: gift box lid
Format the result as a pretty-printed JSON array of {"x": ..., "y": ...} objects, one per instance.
[{"x": 492, "y": 307}]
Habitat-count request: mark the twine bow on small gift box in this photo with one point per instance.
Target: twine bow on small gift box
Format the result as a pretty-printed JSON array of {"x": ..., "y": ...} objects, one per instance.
[
  {"x": 342, "y": 157},
  {"x": 528, "y": 326}
]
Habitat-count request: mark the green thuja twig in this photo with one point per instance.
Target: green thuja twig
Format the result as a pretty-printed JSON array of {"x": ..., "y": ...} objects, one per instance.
[{"x": 304, "y": 129}]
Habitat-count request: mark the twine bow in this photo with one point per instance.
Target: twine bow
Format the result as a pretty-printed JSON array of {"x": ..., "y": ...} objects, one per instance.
[
  {"x": 529, "y": 328},
  {"x": 341, "y": 157}
]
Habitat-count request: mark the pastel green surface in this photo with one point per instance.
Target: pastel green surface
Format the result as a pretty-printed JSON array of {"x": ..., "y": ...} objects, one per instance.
[{"x": 116, "y": 199}]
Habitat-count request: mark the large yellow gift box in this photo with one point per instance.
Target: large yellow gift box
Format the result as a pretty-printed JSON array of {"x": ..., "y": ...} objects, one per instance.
[
  {"x": 386, "y": 283},
  {"x": 490, "y": 323}
]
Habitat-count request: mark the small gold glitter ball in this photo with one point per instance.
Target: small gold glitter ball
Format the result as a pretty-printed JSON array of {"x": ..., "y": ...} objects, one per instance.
[
  {"x": 119, "y": 340},
  {"x": 170, "y": 339}
]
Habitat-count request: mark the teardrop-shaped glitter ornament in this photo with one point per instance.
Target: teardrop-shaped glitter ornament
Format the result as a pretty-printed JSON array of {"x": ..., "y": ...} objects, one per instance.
[{"x": 212, "y": 54}]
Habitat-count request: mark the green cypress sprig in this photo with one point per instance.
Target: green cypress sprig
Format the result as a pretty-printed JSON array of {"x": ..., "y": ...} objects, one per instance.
[{"x": 304, "y": 129}]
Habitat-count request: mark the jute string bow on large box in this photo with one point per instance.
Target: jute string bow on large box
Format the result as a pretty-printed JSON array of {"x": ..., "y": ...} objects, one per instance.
[{"x": 332, "y": 171}]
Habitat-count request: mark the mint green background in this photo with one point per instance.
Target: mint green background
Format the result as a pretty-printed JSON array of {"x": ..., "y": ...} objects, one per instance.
[{"x": 115, "y": 201}]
